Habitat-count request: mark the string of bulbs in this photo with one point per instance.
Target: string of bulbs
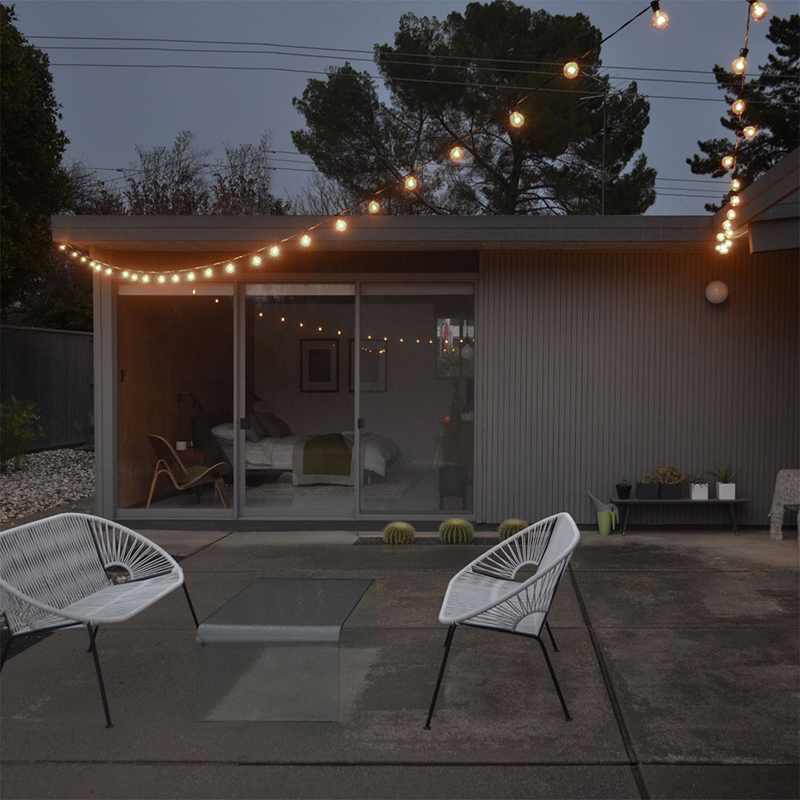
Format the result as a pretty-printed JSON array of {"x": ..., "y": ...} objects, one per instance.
[
  {"x": 410, "y": 182},
  {"x": 724, "y": 238}
]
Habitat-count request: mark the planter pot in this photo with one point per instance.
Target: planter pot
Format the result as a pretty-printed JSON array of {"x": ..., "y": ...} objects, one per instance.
[
  {"x": 699, "y": 491},
  {"x": 726, "y": 491},
  {"x": 623, "y": 492},
  {"x": 669, "y": 491},
  {"x": 647, "y": 491}
]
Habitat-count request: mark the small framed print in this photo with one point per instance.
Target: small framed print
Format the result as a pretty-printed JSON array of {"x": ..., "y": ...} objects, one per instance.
[
  {"x": 373, "y": 365},
  {"x": 319, "y": 365}
]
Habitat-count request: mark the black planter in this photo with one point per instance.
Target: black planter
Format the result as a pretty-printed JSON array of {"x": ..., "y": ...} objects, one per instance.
[
  {"x": 647, "y": 491},
  {"x": 453, "y": 482},
  {"x": 669, "y": 491},
  {"x": 623, "y": 492}
]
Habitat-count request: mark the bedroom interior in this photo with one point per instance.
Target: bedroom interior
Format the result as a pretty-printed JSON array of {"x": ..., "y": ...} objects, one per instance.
[{"x": 411, "y": 357}]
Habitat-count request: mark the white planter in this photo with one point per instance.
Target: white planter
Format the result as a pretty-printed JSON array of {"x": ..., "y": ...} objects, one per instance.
[
  {"x": 726, "y": 491},
  {"x": 699, "y": 491}
]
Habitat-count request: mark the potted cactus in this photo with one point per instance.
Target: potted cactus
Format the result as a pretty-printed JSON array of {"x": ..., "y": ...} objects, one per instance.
[
  {"x": 646, "y": 489},
  {"x": 623, "y": 488},
  {"x": 726, "y": 488}
]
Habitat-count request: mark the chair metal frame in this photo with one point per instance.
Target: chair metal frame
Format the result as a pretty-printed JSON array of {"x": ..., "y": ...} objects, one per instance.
[
  {"x": 485, "y": 593},
  {"x": 54, "y": 576}
]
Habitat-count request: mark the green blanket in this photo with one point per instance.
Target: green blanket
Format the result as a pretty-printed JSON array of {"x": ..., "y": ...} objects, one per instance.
[{"x": 328, "y": 454}]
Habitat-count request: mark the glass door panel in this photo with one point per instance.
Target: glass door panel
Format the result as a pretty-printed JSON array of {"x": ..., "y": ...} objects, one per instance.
[
  {"x": 416, "y": 357},
  {"x": 297, "y": 442}
]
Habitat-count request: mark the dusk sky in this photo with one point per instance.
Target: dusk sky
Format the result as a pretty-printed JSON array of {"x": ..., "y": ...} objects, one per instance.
[{"x": 108, "y": 110}]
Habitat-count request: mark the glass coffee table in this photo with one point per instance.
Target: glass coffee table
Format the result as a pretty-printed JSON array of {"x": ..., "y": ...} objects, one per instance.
[{"x": 285, "y": 649}]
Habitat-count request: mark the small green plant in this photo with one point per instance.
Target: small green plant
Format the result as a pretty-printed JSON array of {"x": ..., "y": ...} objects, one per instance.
[
  {"x": 623, "y": 482},
  {"x": 19, "y": 429},
  {"x": 724, "y": 474},
  {"x": 456, "y": 531},
  {"x": 399, "y": 533},
  {"x": 668, "y": 475},
  {"x": 698, "y": 478},
  {"x": 510, "y": 527}
]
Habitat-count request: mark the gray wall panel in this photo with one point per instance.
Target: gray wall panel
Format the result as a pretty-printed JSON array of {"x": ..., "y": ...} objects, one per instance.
[{"x": 596, "y": 366}]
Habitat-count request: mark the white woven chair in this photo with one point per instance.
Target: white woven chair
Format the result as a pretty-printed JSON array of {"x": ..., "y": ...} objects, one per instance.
[
  {"x": 485, "y": 593},
  {"x": 53, "y": 575}
]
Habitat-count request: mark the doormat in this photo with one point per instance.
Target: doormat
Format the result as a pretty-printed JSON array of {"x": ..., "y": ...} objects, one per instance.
[{"x": 395, "y": 484}]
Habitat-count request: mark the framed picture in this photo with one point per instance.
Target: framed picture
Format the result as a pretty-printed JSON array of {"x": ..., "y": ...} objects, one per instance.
[
  {"x": 373, "y": 365},
  {"x": 319, "y": 365}
]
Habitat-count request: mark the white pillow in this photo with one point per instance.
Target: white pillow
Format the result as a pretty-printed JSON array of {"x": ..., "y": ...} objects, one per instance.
[{"x": 224, "y": 431}]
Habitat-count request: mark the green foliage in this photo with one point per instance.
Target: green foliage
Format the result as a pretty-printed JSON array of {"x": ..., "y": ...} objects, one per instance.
[
  {"x": 399, "y": 533},
  {"x": 456, "y": 531},
  {"x": 771, "y": 105},
  {"x": 447, "y": 78},
  {"x": 724, "y": 474},
  {"x": 623, "y": 482},
  {"x": 33, "y": 186},
  {"x": 19, "y": 429},
  {"x": 511, "y": 526}
]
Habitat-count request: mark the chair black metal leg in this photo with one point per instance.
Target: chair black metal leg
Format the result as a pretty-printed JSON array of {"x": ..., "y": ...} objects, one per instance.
[
  {"x": 550, "y": 634},
  {"x": 6, "y": 648},
  {"x": 448, "y": 641},
  {"x": 191, "y": 607},
  {"x": 555, "y": 680},
  {"x": 93, "y": 648},
  {"x": 89, "y": 648}
]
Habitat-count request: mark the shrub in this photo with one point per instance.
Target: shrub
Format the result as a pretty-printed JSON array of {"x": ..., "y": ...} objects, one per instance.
[
  {"x": 456, "y": 531},
  {"x": 19, "y": 429},
  {"x": 510, "y": 527},
  {"x": 399, "y": 533}
]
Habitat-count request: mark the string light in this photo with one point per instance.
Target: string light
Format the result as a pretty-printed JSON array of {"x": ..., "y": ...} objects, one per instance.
[
  {"x": 726, "y": 224},
  {"x": 660, "y": 19},
  {"x": 736, "y": 184},
  {"x": 229, "y": 268},
  {"x": 720, "y": 237},
  {"x": 134, "y": 277},
  {"x": 411, "y": 183},
  {"x": 750, "y": 131},
  {"x": 738, "y": 106},
  {"x": 571, "y": 69},
  {"x": 256, "y": 261},
  {"x": 731, "y": 214},
  {"x": 109, "y": 271},
  {"x": 176, "y": 278},
  {"x": 98, "y": 268},
  {"x": 735, "y": 200},
  {"x": 305, "y": 240},
  {"x": 758, "y": 10},
  {"x": 727, "y": 161},
  {"x": 208, "y": 272},
  {"x": 125, "y": 273},
  {"x": 274, "y": 251},
  {"x": 62, "y": 247},
  {"x": 341, "y": 225},
  {"x": 374, "y": 207},
  {"x": 739, "y": 64},
  {"x": 456, "y": 153},
  {"x": 75, "y": 253},
  {"x": 516, "y": 119},
  {"x": 190, "y": 276}
]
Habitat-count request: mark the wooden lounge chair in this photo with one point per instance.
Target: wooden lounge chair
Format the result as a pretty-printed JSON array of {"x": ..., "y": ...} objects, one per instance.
[{"x": 186, "y": 477}]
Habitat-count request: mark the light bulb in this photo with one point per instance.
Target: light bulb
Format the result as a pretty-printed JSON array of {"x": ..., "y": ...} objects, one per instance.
[
  {"x": 749, "y": 131},
  {"x": 91, "y": 263},
  {"x": 256, "y": 261},
  {"x": 411, "y": 183},
  {"x": 145, "y": 279},
  {"x": 720, "y": 237},
  {"x": 134, "y": 277},
  {"x": 758, "y": 10},
  {"x": 341, "y": 225},
  {"x": 274, "y": 251},
  {"x": 731, "y": 214},
  {"x": 516, "y": 119},
  {"x": 305, "y": 240},
  {"x": 726, "y": 224},
  {"x": 176, "y": 278},
  {"x": 191, "y": 276},
  {"x": 735, "y": 200},
  {"x": 229, "y": 268},
  {"x": 208, "y": 272},
  {"x": 571, "y": 69},
  {"x": 727, "y": 162},
  {"x": 736, "y": 184},
  {"x": 456, "y": 153},
  {"x": 98, "y": 268},
  {"x": 126, "y": 274},
  {"x": 109, "y": 271},
  {"x": 738, "y": 106},
  {"x": 162, "y": 279},
  {"x": 660, "y": 19},
  {"x": 739, "y": 65},
  {"x": 374, "y": 207},
  {"x": 74, "y": 253},
  {"x": 84, "y": 259},
  {"x": 729, "y": 234}
]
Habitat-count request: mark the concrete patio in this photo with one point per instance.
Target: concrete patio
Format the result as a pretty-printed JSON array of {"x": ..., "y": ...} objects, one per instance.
[{"x": 678, "y": 660}]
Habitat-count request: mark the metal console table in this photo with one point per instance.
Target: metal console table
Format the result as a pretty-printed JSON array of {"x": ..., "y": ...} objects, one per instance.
[{"x": 625, "y": 505}]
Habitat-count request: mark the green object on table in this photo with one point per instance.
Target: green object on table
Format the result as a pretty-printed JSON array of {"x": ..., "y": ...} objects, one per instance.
[{"x": 606, "y": 522}]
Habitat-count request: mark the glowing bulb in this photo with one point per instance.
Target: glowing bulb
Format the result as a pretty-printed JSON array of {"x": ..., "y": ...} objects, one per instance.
[
  {"x": 98, "y": 268},
  {"x": 260, "y": 313},
  {"x": 728, "y": 234},
  {"x": 256, "y": 261},
  {"x": 301, "y": 324},
  {"x": 305, "y": 240},
  {"x": 758, "y": 10},
  {"x": 283, "y": 319},
  {"x": 126, "y": 274},
  {"x": 738, "y": 106},
  {"x": 145, "y": 279},
  {"x": 720, "y": 237},
  {"x": 411, "y": 183},
  {"x": 571, "y": 69},
  {"x": 175, "y": 278},
  {"x": 736, "y": 184},
  {"x": 320, "y": 329},
  {"x": 660, "y": 19},
  {"x": 457, "y": 153},
  {"x": 735, "y": 200},
  {"x": 75, "y": 254},
  {"x": 727, "y": 162},
  {"x": 739, "y": 65},
  {"x": 191, "y": 276},
  {"x": 84, "y": 259},
  {"x": 516, "y": 119},
  {"x": 726, "y": 224},
  {"x": 229, "y": 268},
  {"x": 162, "y": 279},
  {"x": 134, "y": 277},
  {"x": 109, "y": 271},
  {"x": 274, "y": 251},
  {"x": 341, "y": 225},
  {"x": 208, "y": 272},
  {"x": 750, "y": 131},
  {"x": 374, "y": 207},
  {"x": 62, "y": 247},
  {"x": 731, "y": 214}
]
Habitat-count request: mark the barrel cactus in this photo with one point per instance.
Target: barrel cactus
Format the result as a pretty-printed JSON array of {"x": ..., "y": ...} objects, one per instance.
[
  {"x": 510, "y": 527},
  {"x": 399, "y": 533},
  {"x": 456, "y": 531}
]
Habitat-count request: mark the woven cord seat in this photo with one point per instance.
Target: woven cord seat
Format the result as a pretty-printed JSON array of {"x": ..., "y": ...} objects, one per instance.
[
  {"x": 53, "y": 575},
  {"x": 485, "y": 593}
]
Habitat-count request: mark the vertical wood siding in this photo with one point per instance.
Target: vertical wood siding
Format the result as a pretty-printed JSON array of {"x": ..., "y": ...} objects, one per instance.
[{"x": 595, "y": 366}]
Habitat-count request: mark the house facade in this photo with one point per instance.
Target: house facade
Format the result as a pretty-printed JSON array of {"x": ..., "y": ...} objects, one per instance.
[{"x": 421, "y": 367}]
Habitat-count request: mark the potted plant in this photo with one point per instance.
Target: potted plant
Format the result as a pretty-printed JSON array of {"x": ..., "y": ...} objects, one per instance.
[
  {"x": 726, "y": 488},
  {"x": 646, "y": 489},
  {"x": 698, "y": 486},
  {"x": 669, "y": 480},
  {"x": 623, "y": 488}
]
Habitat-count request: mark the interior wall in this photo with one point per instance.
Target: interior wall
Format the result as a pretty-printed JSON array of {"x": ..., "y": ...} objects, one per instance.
[{"x": 597, "y": 366}]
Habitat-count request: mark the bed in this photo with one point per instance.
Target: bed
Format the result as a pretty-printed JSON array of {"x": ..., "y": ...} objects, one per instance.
[{"x": 311, "y": 459}]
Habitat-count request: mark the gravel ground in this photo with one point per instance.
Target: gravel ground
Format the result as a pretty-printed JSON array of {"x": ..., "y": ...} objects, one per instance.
[{"x": 48, "y": 479}]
